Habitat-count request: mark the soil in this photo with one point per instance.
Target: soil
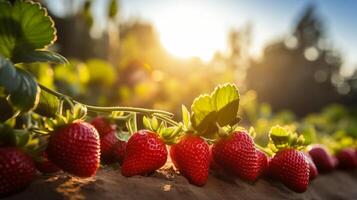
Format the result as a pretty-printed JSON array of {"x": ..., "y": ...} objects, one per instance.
[{"x": 166, "y": 184}]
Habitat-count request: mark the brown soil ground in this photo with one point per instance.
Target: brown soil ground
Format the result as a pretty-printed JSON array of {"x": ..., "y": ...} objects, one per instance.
[{"x": 165, "y": 184}]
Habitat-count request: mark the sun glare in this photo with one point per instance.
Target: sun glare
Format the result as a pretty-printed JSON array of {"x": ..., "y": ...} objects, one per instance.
[{"x": 188, "y": 31}]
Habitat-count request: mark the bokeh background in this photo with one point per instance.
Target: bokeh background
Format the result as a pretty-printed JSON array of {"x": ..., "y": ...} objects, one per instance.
[{"x": 292, "y": 60}]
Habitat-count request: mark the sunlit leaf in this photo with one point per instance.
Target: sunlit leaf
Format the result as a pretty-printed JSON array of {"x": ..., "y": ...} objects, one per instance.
[
  {"x": 24, "y": 27},
  {"x": 220, "y": 107}
]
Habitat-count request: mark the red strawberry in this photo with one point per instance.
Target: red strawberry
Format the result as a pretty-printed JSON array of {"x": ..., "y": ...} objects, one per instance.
[
  {"x": 107, "y": 143},
  {"x": 102, "y": 125},
  {"x": 236, "y": 154},
  {"x": 322, "y": 159},
  {"x": 191, "y": 156},
  {"x": 312, "y": 167},
  {"x": 145, "y": 153},
  {"x": 75, "y": 148},
  {"x": 291, "y": 168},
  {"x": 46, "y": 166},
  {"x": 17, "y": 170},
  {"x": 347, "y": 159},
  {"x": 262, "y": 163},
  {"x": 119, "y": 151}
]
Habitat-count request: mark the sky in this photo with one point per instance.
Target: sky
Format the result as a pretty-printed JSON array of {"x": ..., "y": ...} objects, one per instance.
[{"x": 200, "y": 27}]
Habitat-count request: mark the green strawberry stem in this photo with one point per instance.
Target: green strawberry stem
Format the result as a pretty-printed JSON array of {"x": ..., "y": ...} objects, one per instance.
[
  {"x": 166, "y": 119},
  {"x": 106, "y": 109}
]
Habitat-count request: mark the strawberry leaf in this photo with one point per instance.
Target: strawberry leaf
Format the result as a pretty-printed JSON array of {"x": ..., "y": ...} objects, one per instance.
[
  {"x": 285, "y": 137},
  {"x": 21, "y": 86},
  {"x": 220, "y": 107},
  {"x": 25, "y": 27}
]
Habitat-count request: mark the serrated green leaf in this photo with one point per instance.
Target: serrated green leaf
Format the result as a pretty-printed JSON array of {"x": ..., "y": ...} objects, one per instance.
[
  {"x": 24, "y": 26},
  {"x": 220, "y": 107}
]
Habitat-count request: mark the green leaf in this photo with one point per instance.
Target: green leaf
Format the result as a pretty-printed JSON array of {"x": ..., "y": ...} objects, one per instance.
[
  {"x": 185, "y": 116},
  {"x": 20, "y": 85},
  {"x": 24, "y": 27},
  {"x": 279, "y": 136},
  {"x": 26, "y": 97},
  {"x": 220, "y": 107},
  {"x": 42, "y": 56},
  {"x": 48, "y": 104}
]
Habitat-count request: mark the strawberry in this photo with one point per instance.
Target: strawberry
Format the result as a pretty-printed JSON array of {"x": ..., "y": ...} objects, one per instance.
[
  {"x": 46, "y": 166},
  {"x": 191, "y": 156},
  {"x": 107, "y": 143},
  {"x": 312, "y": 167},
  {"x": 322, "y": 159},
  {"x": 236, "y": 154},
  {"x": 347, "y": 159},
  {"x": 291, "y": 167},
  {"x": 119, "y": 151},
  {"x": 75, "y": 148},
  {"x": 145, "y": 153},
  {"x": 17, "y": 170},
  {"x": 102, "y": 125},
  {"x": 262, "y": 163}
]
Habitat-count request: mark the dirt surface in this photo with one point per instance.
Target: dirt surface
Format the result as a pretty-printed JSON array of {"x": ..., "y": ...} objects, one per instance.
[{"x": 110, "y": 184}]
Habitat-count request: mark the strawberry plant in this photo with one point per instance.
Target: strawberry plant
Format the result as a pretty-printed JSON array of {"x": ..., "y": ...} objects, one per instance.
[{"x": 43, "y": 129}]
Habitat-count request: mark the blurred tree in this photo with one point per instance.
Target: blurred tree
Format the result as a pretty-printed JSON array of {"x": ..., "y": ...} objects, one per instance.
[{"x": 299, "y": 73}]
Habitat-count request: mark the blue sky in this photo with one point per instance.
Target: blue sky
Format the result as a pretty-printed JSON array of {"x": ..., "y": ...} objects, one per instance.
[{"x": 270, "y": 19}]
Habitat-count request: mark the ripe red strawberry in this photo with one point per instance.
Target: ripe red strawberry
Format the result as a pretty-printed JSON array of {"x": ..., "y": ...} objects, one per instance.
[
  {"x": 262, "y": 163},
  {"x": 102, "y": 125},
  {"x": 17, "y": 170},
  {"x": 191, "y": 156},
  {"x": 107, "y": 143},
  {"x": 291, "y": 168},
  {"x": 312, "y": 167},
  {"x": 347, "y": 159},
  {"x": 322, "y": 159},
  {"x": 119, "y": 151},
  {"x": 46, "y": 166},
  {"x": 236, "y": 154},
  {"x": 75, "y": 148},
  {"x": 145, "y": 153}
]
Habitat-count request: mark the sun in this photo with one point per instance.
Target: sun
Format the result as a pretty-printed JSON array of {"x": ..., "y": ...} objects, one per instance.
[{"x": 186, "y": 31}]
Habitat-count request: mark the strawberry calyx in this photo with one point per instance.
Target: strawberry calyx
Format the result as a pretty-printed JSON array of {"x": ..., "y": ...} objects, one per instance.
[
  {"x": 283, "y": 137},
  {"x": 77, "y": 112},
  {"x": 169, "y": 134}
]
